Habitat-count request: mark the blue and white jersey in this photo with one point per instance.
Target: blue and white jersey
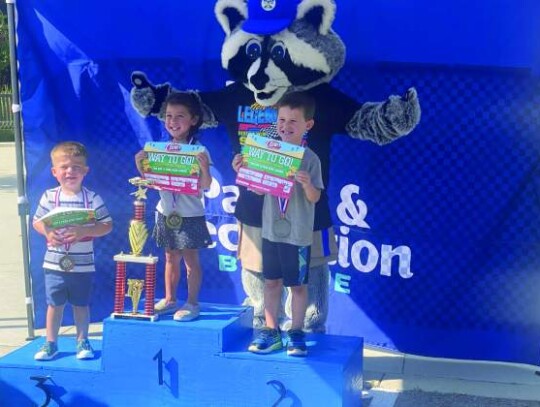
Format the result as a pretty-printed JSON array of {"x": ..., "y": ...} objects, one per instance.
[{"x": 82, "y": 253}]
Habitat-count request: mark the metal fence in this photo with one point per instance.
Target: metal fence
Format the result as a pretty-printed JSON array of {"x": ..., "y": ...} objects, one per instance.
[{"x": 6, "y": 116}]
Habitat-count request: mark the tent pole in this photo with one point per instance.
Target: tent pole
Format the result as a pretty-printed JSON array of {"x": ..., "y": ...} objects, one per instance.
[{"x": 21, "y": 187}]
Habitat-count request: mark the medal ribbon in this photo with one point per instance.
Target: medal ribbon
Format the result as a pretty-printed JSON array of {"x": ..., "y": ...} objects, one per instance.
[
  {"x": 283, "y": 203},
  {"x": 173, "y": 202}
]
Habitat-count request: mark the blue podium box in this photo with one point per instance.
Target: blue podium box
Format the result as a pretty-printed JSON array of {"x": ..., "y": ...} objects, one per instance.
[{"x": 199, "y": 363}]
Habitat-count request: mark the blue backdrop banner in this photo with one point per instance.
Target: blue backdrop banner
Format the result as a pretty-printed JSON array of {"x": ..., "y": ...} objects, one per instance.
[{"x": 438, "y": 232}]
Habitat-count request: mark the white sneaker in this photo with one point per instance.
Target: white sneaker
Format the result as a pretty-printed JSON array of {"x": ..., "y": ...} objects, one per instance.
[
  {"x": 84, "y": 349},
  {"x": 47, "y": 352},
  {"x": 188, "y": 312},
  {"x": 164, "y": 307}
]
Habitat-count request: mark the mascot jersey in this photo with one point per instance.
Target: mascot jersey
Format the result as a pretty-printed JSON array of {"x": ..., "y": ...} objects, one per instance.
[{"x": 236, "y": 109}]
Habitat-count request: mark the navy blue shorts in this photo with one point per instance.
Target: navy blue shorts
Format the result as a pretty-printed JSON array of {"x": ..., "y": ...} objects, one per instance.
[
  {"x": 62, "y": 287},
  {"x": 286, "y": 261}
]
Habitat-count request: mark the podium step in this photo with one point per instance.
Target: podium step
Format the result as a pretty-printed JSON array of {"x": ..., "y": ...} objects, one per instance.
[{"x": 199, "y": 363}]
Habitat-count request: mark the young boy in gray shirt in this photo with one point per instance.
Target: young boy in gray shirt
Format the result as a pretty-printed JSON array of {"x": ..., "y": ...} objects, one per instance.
[{"x": 287, "y": 231}]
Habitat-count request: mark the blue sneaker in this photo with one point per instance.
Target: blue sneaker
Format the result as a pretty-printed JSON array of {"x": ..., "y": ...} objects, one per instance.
[
  {"x": 47, "y": 352},
  {"x": 266, "y": 341},
  {"x": 84, "y": 349},
  {"x": 296, "y": 343}
]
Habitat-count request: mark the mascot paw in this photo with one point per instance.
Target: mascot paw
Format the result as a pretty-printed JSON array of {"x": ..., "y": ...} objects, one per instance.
[
  {"x": 145, "y": 97},
  {"x": 402, "y": 113}
]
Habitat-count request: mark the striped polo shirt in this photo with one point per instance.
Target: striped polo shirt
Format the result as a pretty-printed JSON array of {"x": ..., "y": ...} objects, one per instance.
[{"x": 82, "y": 253}]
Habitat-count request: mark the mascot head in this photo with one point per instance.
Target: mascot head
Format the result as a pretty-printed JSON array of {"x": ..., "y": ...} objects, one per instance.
[{"x": 277, "y": 46}]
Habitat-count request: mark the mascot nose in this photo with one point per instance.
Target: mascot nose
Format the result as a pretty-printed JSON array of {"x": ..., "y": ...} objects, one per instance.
[{"x": 259, "y": 80}]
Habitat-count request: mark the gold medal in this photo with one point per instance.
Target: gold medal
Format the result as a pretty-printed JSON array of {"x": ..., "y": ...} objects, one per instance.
[{"x": 173, "y": 221}]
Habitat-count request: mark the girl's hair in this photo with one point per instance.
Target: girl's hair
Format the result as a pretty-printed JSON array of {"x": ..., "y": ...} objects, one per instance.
[{"x": 191, "y": 101}]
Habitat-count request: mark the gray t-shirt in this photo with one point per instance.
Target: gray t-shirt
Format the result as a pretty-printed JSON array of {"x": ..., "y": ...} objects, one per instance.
[{"x": 300, "y": 212}]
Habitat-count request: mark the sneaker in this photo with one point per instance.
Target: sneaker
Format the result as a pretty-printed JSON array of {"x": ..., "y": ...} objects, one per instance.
[
  {"x": 47, "y": 352},
  {"x": 266, "y": 341},
  {"x": 296, "y": 343},
  {"x": 84, "y": 349},
  {"x": 188, "y": 312},
  {"x": 164, "y": 307}
]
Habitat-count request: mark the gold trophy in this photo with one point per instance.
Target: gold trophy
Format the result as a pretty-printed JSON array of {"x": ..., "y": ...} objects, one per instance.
[
  {"x": 135, "y": 287},
  {"x": 138, "y": 234}
]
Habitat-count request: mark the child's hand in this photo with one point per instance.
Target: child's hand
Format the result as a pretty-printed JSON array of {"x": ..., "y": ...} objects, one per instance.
[
  {"x": 55, "y": 237},
  {"x": 303, "y": 178},
  {"x": 204, "y": 161},
  {"x": 74, "y": 234},
  {"x": 237, "y": 162},
  {"x": 139, "y": 157},
  {"x": 312, "y": 194}
]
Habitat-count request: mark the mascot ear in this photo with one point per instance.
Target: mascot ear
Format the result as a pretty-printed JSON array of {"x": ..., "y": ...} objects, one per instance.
[
  {"x": 319, "y": 13},
  {"x": 230, "y": 14}
]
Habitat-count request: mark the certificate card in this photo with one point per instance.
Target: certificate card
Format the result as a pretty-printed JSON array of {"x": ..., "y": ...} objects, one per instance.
[
  {"x": 269, "y": 165},
  {"x": 62, "y": 217},
  {"x": 172, "y": 167}
]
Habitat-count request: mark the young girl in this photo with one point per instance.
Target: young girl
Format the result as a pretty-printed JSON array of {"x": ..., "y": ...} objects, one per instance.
[{"x": 180, "y": 223}]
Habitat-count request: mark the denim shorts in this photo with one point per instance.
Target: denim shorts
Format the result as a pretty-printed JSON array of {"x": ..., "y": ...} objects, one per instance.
[{"x": 62, "y": 287}]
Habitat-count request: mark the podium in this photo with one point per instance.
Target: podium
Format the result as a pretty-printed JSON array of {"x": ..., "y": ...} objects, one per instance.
[
  {"x": 145, "y": 361},
  {"x": 199, "y": 363}
]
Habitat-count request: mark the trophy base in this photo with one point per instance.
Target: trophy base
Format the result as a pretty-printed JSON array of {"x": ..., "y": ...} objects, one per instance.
[{"x": 129, "y": 315}]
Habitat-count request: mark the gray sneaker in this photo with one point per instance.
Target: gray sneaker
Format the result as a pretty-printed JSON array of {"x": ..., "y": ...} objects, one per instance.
[
  {"x": 84, "y": 349},
  {"x": 47, "y": 352}
]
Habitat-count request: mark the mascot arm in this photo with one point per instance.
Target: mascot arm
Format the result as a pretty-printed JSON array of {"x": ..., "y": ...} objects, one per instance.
[
  {"x": 148, "y": 99},
  {"x": 383, "y": 122}
]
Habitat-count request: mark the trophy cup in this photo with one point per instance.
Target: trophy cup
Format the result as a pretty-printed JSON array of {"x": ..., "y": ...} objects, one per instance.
[
  {"x": 138, "y": 234},
  {"x": 135, "y": 287}
]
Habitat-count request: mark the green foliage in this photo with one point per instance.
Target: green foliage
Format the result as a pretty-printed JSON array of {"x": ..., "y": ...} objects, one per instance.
[
  {"x": 6, "y": 135},
  {"x": 4, "y": 52}
]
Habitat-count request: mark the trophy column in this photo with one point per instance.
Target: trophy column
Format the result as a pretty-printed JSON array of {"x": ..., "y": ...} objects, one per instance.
[
  {"x": 119, "y": 288},
  {"x": 138, "y": 234},
  {"x": 150, "y": 286}
]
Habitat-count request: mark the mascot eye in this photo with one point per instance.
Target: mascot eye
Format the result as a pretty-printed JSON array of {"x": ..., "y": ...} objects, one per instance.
[
  {"x": 277, "y": 52},
  {"x": 253, "y": 49}
]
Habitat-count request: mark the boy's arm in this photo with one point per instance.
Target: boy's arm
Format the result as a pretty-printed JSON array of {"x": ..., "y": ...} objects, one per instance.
[
  {"x": 53, "y": 236},
  {"x": 313, "y": 194}
]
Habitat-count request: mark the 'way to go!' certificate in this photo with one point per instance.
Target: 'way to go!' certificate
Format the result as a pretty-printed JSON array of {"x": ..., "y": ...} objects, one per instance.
[
  {"x": 269, "y": 165},
  {"x": 172, "y": 167}
]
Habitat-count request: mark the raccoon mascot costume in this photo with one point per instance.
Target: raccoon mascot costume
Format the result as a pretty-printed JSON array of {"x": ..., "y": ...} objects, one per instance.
[{"x": 272, "y": 47}]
